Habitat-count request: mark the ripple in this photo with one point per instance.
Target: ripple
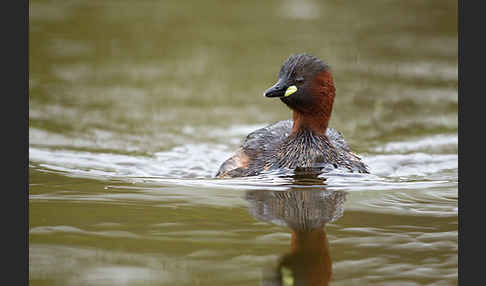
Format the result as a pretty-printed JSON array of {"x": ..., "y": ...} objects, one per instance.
[
  {"x": 411, "y": 165},
  {"x": 436, "y": 143},
  {"x": 43, "y": 230}
]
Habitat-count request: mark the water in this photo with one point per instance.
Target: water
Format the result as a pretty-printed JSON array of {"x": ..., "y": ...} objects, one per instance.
[{"x": 135, "y": 104}]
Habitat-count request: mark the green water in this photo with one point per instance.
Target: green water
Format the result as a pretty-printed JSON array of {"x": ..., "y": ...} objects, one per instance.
[{"x": 135, "y": 104}]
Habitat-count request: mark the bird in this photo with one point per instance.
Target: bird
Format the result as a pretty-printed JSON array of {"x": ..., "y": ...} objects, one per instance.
[{"x": 305, "y": 142}]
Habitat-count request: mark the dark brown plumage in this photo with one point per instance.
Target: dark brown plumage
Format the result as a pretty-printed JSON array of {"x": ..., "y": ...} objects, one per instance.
[{"x": 305, "y": 85}]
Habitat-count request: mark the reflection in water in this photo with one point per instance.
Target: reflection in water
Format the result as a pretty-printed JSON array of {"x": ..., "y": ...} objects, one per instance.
[{"x": 305, "y": 211}]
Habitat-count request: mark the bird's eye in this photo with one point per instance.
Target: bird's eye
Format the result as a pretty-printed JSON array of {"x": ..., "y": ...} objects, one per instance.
[{"x": 299, "y": 80}]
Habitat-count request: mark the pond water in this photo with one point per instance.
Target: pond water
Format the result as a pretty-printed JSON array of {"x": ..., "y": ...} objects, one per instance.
[{"x": 135, "y": 104}]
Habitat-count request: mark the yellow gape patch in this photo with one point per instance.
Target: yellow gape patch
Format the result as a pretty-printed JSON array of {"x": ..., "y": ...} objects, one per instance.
[{"x": 290, "y": 90}]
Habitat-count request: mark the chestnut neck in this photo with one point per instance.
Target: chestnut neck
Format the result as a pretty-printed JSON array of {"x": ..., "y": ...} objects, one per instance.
[
  {"x": 314, "y": 123},
  {"x": 316, "y": 118}
]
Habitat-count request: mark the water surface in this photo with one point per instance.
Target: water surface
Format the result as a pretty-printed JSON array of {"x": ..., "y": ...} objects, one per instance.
[{"x": 135, "y": 104}]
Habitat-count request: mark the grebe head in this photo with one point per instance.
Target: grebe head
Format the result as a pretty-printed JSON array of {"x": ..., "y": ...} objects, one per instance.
[{"x": 305, "y": 85}]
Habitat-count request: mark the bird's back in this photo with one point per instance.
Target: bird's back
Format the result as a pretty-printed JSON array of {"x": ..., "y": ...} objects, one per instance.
[{"x": 268, "y": 148}]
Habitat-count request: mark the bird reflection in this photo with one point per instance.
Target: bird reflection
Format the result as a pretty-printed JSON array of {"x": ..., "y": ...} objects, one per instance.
[{"x": 305, "y": 211}]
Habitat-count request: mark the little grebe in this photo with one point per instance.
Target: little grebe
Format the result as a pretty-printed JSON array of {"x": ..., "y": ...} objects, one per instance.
[{"x": 305, "y": 85}]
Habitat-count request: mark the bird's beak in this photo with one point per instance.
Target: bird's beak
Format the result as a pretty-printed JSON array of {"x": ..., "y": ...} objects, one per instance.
[{"x": 277, "y": 90}]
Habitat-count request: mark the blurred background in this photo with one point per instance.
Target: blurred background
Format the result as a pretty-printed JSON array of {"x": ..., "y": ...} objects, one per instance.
[{"x": 133, "y": 105}]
